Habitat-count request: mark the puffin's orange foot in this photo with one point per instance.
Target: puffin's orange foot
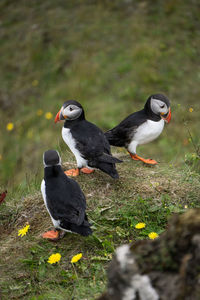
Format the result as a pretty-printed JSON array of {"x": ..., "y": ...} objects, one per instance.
[
  {"x": 133, "y": 156},
  {"x": 149, "y": 161},
  {"x": 87, "y": 171},
  {"x": 51, "y": 235},
  {"x": 146, "y": 161},
  {"x": 72, "y": 172}
]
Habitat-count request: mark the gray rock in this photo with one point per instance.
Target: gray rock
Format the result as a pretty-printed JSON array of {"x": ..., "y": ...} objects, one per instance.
[{"x": 167, "y": 268}]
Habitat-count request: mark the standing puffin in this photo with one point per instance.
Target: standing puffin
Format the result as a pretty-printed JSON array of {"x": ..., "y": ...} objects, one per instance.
[
  {"x": 87, "y": 142},
  {"x": 142, "y": 126},
  {"x": 63, "y": 198}
]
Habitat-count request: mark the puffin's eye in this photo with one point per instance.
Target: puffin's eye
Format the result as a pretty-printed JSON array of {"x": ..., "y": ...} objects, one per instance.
[
  {"x": 70, "y": 108},
  {"x": 162, "y": 106}
]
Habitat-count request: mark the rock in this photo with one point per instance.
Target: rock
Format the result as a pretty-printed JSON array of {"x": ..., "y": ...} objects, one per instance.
[{"x": 167, "y": 268}]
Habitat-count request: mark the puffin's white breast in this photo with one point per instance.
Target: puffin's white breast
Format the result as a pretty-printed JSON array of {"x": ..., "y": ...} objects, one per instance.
[
  {"x": 148, "y": 131},
  {"x": 71, "y": 143},
  {"x": 56, "y": 223}
]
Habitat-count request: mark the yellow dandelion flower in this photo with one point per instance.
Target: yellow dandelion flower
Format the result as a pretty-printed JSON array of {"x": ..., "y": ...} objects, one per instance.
[
  {"x": 140, "y": 225},
  {"x": 39, "y": 112},
  {"x": 152, "y": 235},
  {"x": 48, "y": 115},
  {"x": 35, "y": 82},
  {"x": 10, "y": 126},
  {"x": 23, "y": 231},
  {"x": 76, "y": 258},
  {"x": 54, "y": 258},
  {"x": 191, "y": 109}
]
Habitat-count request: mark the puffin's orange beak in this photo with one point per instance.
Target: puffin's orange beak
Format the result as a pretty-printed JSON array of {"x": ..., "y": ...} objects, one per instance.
[
  {"x": 167, "y": 119},
  {"x": 57, "y": 118}
]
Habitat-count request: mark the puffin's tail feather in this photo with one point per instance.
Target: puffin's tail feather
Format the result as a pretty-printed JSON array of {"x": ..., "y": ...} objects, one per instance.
[
  {"x": 82, "y": 230},
  {"x": 108, "y": 168},
  {"x": 109, "y": 159},
  {"x": 112, "y": 139}
]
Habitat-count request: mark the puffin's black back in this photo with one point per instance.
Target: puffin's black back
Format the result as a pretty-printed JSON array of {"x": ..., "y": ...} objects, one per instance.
[
  {"x": 122, "y": 134},
  {"x": 66, "y": 201}
]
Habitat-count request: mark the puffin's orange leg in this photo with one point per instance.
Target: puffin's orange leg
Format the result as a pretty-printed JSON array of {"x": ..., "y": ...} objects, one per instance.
[
  {"x": 133, "y": 156},
  {"x": 72, "y": 172},
  {"x": 87, "y": 171},
  {"x": 146, "y": 161},
  {"x": 51, "y": 235}
]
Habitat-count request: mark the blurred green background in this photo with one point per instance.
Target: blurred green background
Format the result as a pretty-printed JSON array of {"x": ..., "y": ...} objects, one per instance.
[{"x": 110, "y": 56}]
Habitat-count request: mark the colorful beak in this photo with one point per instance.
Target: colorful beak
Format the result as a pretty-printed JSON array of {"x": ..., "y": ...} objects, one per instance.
[
  {"x": 57, "y": 118},
  {"x": 167, "y": 119}
]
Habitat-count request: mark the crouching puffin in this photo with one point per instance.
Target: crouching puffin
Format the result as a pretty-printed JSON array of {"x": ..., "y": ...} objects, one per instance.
[
  {"x": 87, "y": 142},
  {"x": 63, "y": 198},
  {"x": 142, "y": 126}
]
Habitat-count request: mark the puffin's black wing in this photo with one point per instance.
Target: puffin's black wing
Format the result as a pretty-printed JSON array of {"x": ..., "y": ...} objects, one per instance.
[
  {"x": 122, "y": 134},
  {"x": 92, "y": 143},
  {"x": 65, "y": 200}
]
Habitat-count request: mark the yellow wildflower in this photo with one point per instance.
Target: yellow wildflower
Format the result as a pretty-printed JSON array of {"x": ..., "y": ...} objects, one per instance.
[
  {"x": 153, "y": 235},
  {"x": 35, "y": 82},
  {"x": 10, "y": 126},
  {"x": 0, "y": 157},
  {"x": 48, "y": 115},
  {"x": 76, "y": 258},
  {"x": 39, "y": 112},
  {"x": 140, "y": 225},
  {"x": 54, "y": 258},
  {"x": 191, "y": 109},
  {"x": 185, "y": 206},
  {"x": 23, "y": 231}
]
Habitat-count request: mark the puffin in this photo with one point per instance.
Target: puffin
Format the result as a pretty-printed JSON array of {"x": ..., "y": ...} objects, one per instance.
[
  {"x": 87, "y": 142},
  {"x": 64, "y": 200},
  {"x": 141, "y": 127}
]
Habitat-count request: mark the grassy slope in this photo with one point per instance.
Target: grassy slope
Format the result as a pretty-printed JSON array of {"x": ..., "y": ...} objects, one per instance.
[{"x": 143, "y": 194}]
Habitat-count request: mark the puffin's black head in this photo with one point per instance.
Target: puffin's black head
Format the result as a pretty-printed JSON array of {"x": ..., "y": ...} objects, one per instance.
[
  {"x": 158, "y": 105},
  {"x": 51, "y": 158},
  {"x": 71, "y": 110}
]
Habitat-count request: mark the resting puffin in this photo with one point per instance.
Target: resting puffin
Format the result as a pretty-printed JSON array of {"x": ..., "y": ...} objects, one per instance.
[
  {"x": 142, "y": 126},
  {"x": 63, "y": 198},
  {"x": 87, "y": 142}
]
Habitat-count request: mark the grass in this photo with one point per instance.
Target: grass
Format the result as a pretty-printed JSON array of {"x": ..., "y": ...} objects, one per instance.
[
  {"x": 142, "y": 194},
  {"x": 110, "y": 56}
]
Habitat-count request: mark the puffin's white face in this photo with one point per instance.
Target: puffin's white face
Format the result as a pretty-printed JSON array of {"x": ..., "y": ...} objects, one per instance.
[
  {"x": 71, "y": 112},
  {"x": 159, "y": 107}
]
